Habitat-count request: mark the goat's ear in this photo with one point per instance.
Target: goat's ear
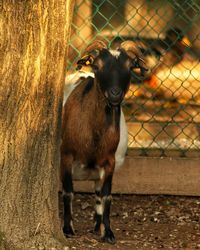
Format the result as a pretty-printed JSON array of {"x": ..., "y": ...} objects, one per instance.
[
  {"x": 138, "y": 63},
  {"x": 92, "y": 51},
  {"x": 84, "y": 61}
]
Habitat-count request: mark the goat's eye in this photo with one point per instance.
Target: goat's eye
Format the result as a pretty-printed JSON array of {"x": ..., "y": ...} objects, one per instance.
[
  {"x": 98, "y": 64},
  {"x": 95, "y": 67},
  {"x": 135, "y": 63}
]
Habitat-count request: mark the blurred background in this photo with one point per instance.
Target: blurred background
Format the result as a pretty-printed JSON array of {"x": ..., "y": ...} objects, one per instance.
[{"x": 163, "y": 109}]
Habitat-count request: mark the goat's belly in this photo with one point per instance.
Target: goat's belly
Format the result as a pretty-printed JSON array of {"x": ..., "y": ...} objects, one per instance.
[
  {"x": 81, "y": 172},
  {"x": 123, "y": 143}
]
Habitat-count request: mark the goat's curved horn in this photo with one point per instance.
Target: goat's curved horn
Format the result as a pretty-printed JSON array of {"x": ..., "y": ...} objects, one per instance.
[
  {"x": 96, "y": 45},
  {"x": 131, "y": 47},
  {"x": 89, "y": 54}
]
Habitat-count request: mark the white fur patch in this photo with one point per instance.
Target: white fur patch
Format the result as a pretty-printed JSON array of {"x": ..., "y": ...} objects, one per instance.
[
  {"x": 71, "y": 195},
  {"x": 101, "y": 173},
  {"x": 68, "y": 88},
  {"x": 99, "y": 209},
  {"x": 123, "y": 143},
  {"x": 98, "y": 186},
  {"x": 115, "y": 53},
  {"x": 102, "y": 229},
  {"x": 71, "y": 224},
  {"x": 73, "y": 78},
  {"x": 71, "y": 82}
]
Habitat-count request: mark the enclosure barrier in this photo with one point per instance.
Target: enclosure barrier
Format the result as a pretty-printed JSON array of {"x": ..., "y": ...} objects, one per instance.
[{"x": 163, "y": 111}]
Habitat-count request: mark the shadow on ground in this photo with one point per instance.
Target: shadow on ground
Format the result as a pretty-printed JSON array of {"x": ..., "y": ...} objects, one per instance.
[{"x": 140, "y": 222}]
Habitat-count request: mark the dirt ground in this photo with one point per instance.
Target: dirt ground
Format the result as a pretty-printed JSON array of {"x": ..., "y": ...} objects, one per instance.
[{"x": 140, "y": 222}]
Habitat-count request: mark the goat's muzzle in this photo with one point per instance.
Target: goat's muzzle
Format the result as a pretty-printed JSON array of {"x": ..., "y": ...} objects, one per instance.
[{"x": 114, "y": 96}]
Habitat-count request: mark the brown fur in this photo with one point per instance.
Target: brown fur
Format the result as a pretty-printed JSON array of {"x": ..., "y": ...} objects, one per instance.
[{"x": 85, "y": 136}]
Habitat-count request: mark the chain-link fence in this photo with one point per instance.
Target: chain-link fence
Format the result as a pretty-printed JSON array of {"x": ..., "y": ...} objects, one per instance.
[{"x": 162, "y": 111}]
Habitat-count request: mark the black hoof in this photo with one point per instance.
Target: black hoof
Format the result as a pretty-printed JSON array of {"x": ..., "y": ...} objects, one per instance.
[
  {"x": 109, "y": 237},
  {"x": 97, "y": 228},
  {"x": 68, "y": 231}
]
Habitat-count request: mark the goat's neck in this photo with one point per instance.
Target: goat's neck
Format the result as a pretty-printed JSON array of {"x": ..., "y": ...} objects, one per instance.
[{"x": 105, "y": 111}]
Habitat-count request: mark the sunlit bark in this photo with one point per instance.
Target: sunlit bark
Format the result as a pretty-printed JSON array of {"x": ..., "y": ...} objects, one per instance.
[{"x": 33, "y": 48}]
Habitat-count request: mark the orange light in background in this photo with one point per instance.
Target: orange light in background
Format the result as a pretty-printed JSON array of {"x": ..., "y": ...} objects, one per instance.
[{"x": 185, "y": 41}]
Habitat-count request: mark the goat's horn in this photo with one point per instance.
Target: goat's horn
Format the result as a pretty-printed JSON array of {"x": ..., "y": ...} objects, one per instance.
[
  {"x": 97, "y": 44},
  {"x": 132, "y": 47}
]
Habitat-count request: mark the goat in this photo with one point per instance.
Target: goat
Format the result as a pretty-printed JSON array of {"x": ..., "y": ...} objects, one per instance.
[{"x": 94, "y": 133}]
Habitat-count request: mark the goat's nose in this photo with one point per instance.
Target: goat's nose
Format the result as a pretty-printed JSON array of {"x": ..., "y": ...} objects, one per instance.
[{"x": 115, "y": 91}]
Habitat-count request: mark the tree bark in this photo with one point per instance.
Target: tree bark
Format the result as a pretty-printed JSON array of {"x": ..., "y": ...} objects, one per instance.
[{"x": 32, "y": 56}]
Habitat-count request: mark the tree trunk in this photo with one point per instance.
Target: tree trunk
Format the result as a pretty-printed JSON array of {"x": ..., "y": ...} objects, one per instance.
[{"x": 33, "y": 49}]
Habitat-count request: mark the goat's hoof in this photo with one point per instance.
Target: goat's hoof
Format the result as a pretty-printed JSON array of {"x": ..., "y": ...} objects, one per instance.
[
  {"x": 68, "y": 231},
  {"x": 109, "y": 237},
  {"x": 97, "y": 229}
]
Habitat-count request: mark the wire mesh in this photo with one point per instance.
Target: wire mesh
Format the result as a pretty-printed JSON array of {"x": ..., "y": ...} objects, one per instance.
[{"x": 162, "y": 112}]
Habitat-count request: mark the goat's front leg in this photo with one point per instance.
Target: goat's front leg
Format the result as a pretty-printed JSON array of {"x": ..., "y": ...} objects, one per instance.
[
  {"x": 103, "y": 203},
  {"x": 66, "y": 172},
  {"x": 98, "y": 206}
]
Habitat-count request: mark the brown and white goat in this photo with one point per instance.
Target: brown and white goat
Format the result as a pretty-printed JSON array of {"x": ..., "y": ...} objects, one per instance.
[{"x": 94, "y": 133}]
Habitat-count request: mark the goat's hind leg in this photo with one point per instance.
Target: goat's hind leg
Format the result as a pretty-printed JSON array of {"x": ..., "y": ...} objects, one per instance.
[
  {"x": 98, "y": 206},
  {"x": 66, "y": 167}
]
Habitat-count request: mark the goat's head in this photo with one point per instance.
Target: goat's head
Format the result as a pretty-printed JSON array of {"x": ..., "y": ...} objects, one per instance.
[{"x": 112, "y": 68}]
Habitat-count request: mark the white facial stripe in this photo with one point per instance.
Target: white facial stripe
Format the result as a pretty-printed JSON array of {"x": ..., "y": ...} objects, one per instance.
[{"x": 115, "y": 53}]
